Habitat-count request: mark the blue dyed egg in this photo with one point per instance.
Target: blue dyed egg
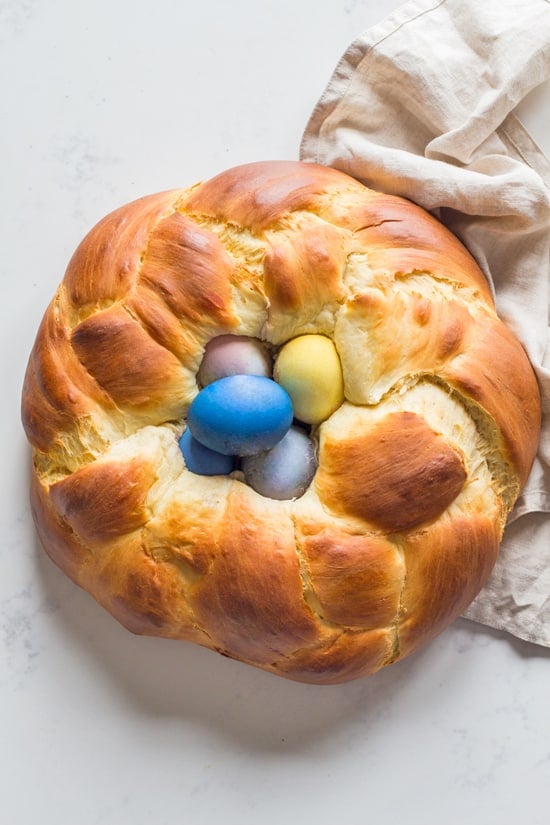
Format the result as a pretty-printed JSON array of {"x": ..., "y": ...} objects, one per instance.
[
  {"x": 285, "y": 471},
  {"x": 240, "y": 415},
  {"x": 202, "y": 461}
]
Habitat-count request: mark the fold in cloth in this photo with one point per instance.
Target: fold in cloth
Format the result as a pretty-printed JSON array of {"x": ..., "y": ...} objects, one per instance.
[{"x": 421, "y": 106}]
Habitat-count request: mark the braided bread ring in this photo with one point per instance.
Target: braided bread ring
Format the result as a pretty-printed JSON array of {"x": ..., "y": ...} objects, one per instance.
[{"x": 418, "y": 468}]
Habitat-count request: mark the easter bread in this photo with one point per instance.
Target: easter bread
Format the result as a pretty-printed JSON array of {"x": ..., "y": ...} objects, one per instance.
[{"x": 417, "y": 468}]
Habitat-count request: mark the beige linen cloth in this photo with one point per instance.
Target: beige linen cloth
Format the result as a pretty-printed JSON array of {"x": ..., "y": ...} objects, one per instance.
[{"x": 421, "y": 106}]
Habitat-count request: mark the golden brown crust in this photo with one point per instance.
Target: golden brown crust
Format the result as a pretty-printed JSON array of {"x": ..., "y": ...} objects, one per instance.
[
  {"x": 491, "y": 371},
  {"x": 417, "y": 469},
  {"x": 59, "y": 541},
  {"x": 444, "y": 565},
  {"x": 105, "y": 266},
  {"x": 304, "y": 269},
  {"x": 190, "y": 270},
  {"x": 339, "y": 657},
  {"x": 103, "y": 500},
  {"x": 409, "y": 475},
  {"x": 255, "y": 612},
  {"x": 358, "y": 578}
]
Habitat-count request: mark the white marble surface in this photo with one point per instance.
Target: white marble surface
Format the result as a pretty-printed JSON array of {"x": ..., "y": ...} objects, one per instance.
[{"x": 99, "y": 103}]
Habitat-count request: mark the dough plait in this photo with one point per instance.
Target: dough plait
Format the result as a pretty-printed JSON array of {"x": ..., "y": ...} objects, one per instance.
[{"x": 417, "y": 468}]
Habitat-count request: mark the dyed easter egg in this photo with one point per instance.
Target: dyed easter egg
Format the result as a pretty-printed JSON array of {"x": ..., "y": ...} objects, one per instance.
[
  {"x": 203, "y": 461},
  {"x": 240, "y": 414},
  {"x": 285, "y": 471},
  {"x": 309, "y": 369},
  {"x": 233, "y": 355}
]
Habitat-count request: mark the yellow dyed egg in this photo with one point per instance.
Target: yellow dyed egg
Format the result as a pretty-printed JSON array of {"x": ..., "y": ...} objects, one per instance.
[{"x": 309, "y": 369}]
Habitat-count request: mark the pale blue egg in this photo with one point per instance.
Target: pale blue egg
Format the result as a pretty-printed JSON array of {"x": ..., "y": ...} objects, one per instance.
[
  {"x": 285, "y": 471},
  {"x": 240, "y": 414},
  {"x": 203, "y": 461}
]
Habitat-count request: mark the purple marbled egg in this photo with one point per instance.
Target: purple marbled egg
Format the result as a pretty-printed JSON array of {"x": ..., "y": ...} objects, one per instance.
[{"x": 234, "y": 355}]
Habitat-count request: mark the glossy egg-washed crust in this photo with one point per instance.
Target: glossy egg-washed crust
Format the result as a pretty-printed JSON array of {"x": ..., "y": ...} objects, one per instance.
[{"x": 417, "y": 470}]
